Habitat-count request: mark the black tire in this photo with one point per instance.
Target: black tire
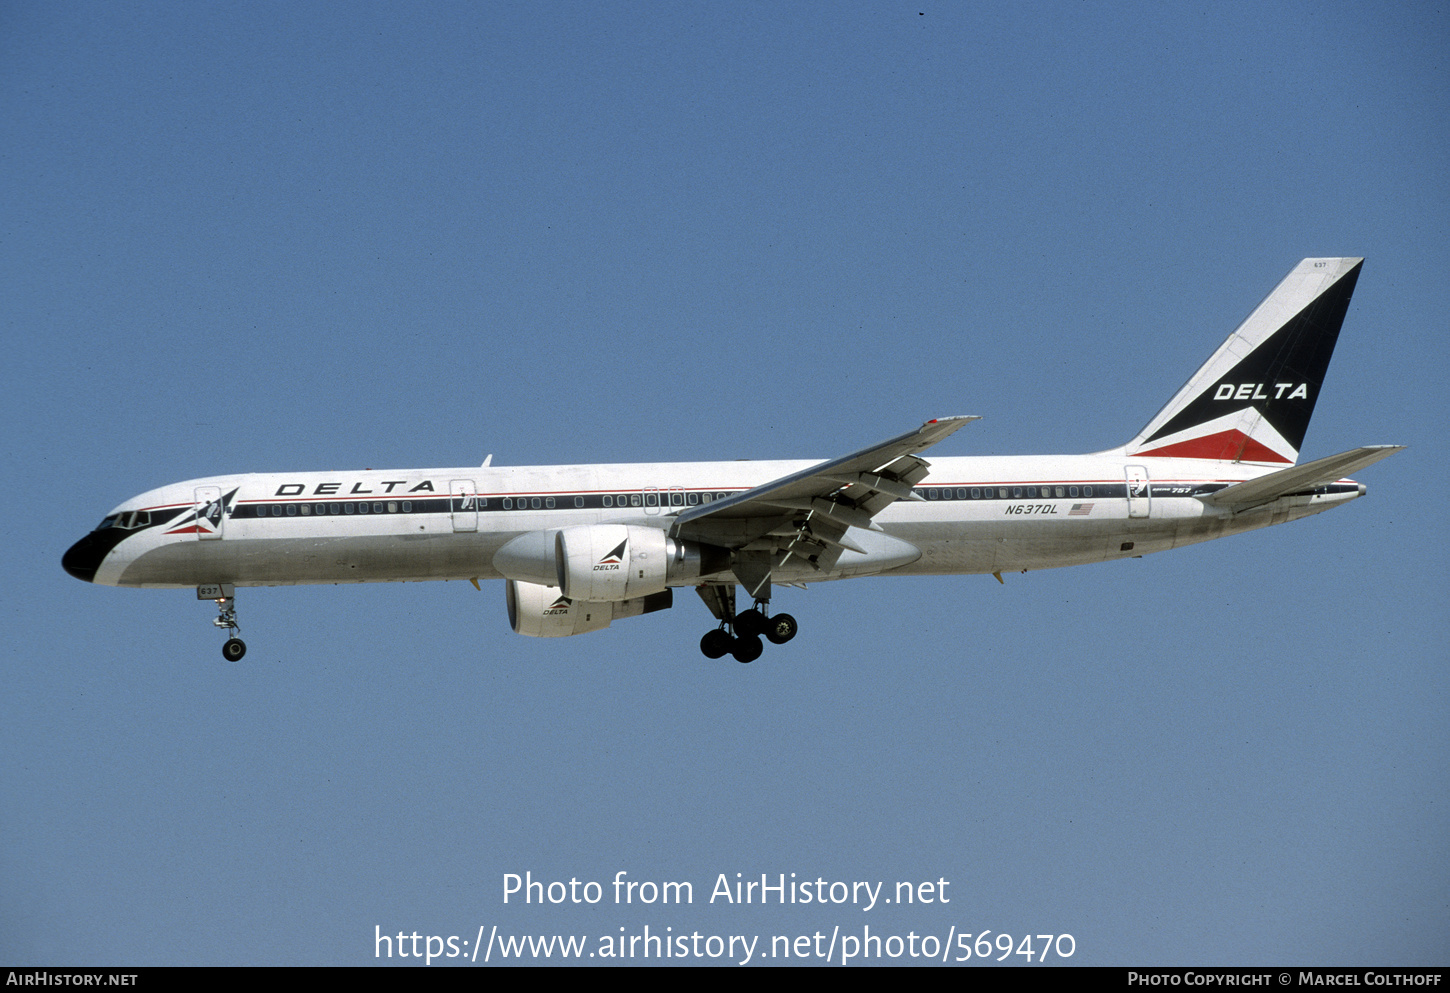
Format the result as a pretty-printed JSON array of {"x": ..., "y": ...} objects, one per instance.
[
  {"x": 781, "y": 628},
  {"x": 234, "y": 649},
  {"x": 747, "y": 649},
  {"x": 716, "y": 644},
  {"x": 749, "y": 622}
]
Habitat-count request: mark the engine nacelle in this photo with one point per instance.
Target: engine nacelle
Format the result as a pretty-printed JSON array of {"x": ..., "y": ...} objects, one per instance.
[
  {"x": 608, "y": 563},
  {"x": 543, "y": 612},
  {"x": 612, "y": 562}
]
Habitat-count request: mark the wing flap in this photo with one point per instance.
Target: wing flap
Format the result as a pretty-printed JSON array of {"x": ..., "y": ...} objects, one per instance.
[
  {"x": 828, "y": 510},
  {"x": 871, "y": 482}
]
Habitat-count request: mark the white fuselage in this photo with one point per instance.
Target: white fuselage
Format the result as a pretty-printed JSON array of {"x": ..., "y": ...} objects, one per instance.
[{"x": 977, "y": 515}]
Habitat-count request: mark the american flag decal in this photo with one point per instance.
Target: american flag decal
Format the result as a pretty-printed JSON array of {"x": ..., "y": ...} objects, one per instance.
[{"x": 1080, "y": 510}]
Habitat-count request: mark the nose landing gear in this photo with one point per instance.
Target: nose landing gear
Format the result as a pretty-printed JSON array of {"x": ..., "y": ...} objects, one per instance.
[{"x": 225, "y": 596}]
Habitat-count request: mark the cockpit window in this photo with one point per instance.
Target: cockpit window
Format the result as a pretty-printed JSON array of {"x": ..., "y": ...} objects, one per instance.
[{"x": 107, "y": 522}]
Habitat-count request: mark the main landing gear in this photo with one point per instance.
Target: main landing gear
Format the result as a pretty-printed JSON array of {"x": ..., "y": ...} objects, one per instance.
[
  {"x": 739, "y": 634},
  {"x": 226, "y": 619}
]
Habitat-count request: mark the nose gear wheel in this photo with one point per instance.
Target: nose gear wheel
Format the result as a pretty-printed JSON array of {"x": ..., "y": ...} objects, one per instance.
[{"x": 226, "y": 619}]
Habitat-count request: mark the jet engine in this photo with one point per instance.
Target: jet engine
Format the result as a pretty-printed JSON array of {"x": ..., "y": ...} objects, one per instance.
[
  {"x": 604, "y": 562},
  {"x": 543, "y": 612},
  {"x": 608, "y": 563}
]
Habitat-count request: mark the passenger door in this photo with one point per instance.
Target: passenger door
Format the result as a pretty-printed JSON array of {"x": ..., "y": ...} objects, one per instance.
[
  {"x": 210, "y": 520},
  {"x": 463, "y": 501},
  {"x": 1140, "y": 495}
]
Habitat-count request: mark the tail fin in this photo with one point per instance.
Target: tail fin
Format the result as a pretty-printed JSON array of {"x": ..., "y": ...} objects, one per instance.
[{"x": 1252, "y": 400}]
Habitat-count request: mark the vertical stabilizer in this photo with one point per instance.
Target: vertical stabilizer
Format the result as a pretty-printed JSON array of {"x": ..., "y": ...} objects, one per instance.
[{"x": 1252, "y": 400}]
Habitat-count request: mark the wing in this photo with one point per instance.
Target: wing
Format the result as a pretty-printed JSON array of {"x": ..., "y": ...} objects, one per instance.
[{"x": 808, "y": 513}]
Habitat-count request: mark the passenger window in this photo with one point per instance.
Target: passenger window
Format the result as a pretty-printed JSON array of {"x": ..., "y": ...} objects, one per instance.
[
  {"x": 535, "y": 503},
  {"x": 634, "y": 499},
  {"x": 549, "y": 502},
  {"x": 609, "y": 501},
  {"x": 1087, "y": 491},
  {"x": 694, "y": 499},
  {"x": 1072, "y": 491},
  {"x": 392, "y": 506},
  {"x": 578, "y": 501},
  {"x": 407, "y": 506}
]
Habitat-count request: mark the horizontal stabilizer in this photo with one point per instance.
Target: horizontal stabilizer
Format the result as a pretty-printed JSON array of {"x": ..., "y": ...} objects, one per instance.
[{"x": 1300, "y": 478}]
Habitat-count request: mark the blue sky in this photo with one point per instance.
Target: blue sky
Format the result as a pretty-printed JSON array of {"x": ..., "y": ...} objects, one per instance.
[{"x": 278, "y": 237}]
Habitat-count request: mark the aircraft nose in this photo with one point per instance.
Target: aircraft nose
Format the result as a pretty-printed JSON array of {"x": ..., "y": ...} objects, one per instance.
[{"x": 83, "y": 558}]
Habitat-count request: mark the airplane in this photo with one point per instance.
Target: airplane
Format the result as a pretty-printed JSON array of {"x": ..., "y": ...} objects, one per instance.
[{"x": 581, "y": 546}]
